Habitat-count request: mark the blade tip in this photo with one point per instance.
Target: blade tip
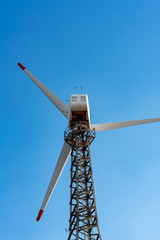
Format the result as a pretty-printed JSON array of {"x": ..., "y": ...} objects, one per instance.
[
  {"x": 39, "y": 215},
  {"x": 21, "y": 66}
]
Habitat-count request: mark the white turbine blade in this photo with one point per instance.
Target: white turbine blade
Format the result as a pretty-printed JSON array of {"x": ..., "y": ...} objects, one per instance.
[
  {"x": 54, "y": 99},
  {"x": 114, "y": 125},
  {"x": 64, "y": 155}
]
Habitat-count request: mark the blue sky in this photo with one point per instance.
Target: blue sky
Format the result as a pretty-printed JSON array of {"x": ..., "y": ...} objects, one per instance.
[{"x": 112, "y": 49}]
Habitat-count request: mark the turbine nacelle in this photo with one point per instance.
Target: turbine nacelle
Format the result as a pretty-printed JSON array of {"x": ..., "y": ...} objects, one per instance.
[{"x": 78, "y": 109}]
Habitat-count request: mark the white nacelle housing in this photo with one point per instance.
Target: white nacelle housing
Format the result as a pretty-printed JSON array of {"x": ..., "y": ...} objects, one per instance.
[{"x": 79, "y": 108}]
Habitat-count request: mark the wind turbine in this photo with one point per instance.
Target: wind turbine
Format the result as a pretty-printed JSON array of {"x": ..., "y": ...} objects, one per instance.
[{"x": 83, "y": 222}]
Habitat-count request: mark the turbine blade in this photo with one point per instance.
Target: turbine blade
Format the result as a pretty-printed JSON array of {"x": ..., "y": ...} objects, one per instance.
[
  {"x": 64, "y": 155},
  {"x": 114, "y": 125},
  {"x": 54, "y": 99}
]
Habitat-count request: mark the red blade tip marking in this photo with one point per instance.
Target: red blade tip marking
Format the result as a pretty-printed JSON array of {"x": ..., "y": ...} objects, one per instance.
[
  {"x": 39, "y": 215},
  {"x": 21, "y": 66}
]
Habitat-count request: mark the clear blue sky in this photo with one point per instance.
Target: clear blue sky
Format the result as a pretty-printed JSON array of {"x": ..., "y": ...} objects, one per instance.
[{"x": 112, "y": 49}]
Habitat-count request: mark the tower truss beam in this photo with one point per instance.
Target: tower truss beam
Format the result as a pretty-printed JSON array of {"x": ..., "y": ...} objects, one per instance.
[{"x": 83, "y": 223}]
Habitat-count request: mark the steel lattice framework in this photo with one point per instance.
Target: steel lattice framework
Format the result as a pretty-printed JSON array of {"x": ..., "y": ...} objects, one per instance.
[{"x": 83, "y": 222}]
